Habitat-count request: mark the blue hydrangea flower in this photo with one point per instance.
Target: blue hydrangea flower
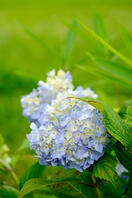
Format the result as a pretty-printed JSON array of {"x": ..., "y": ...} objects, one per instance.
[
  {"x": 71, "y": 132},
  {"x": 122, "y": 172},
  {"x": 35, "y": 103}
]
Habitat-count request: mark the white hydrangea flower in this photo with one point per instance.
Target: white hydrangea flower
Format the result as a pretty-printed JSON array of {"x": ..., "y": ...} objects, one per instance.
[{"x": 4, "y": 153}]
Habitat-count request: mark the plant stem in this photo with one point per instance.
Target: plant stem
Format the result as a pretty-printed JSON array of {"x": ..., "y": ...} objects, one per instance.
[
  {"x": 96, "y": 187},
  {"x": 10, "y": 170}
]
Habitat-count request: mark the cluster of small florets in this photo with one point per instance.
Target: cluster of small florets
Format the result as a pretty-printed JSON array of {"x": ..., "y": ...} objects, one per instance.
[
  {"x": 36, "y": 102},
  {"x": 66, "y": 131}
]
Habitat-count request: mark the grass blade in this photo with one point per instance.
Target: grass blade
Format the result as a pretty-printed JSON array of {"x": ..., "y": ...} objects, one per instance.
[
  {"x": 99, "y": 26},
  {"x": 70, "y": 42},
  {"x": 127, "y": 37},
  {"x": 114, "y": 69},
  {"x": 104, "y": 76},
  {"x": 100, "y": 29},
  {"x": 108, "y": 46}
]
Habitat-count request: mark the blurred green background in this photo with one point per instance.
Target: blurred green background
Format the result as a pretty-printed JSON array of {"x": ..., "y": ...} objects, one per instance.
[{"x": 33, "y": 39}]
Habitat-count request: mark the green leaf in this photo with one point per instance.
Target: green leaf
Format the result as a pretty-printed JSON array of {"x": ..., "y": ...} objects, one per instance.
[
  {"x": 32, "y": 172},
  {"x": 123, "y": 156},
  {"x": 104, "y": 76},
  {"x": 101, "y": 188},
  {"x": 104, "y": 168},
  {"x": 70, "y": 42},
  {"x": 8, "y": 192},
  {"x": 120, "y": 130},
  {"x": 128, "y": 192},
  {"x": 22, "y": 150},
  {"x": 82, "y": 182},
  {"x": 72, "y": 190},
  {"x": 127, "y": 39},
  {"x": 114, "y": 69},
  {"x": 37, "y": 183},
  {"x": 107, "y": 45},
  {"x": 24, "y": 145},
  {"x": 110, "y": 182},
  {"x": 43, "y": 193},
  {"x": 100, "y": 29},
  {"x": 95, "y": 72},
  {"x": 99, "y": 26},
  {"x": 129, "y": 113},
  {"x": 107, "y": 188},
  {"x": 122, "y": 112}
]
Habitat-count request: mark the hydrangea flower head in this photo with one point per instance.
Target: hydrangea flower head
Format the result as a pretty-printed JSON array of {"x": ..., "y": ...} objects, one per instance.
[
  {"x": 71, "y": 132},
  {"x": 34, "y": 104}
]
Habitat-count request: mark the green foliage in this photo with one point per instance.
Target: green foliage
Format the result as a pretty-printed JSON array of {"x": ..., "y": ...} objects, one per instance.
[
  {"x": 129, "y": 112},
  {"x": 8, "y": 192},
  {"x": 36, "y": 184},
  {"x": 104, "y": 168},
  {"x": 116, "y": 70},
  {"x": 70, "y": 42},
  {"x": 128, "y": 192},
  {"x": 100, "y": 29},
  {"x": 63, "y": 189},
  {"x": 99, "y": 26},
  {"x": 24, "y": 146},
  {"x": 127, "y": 37},
  {"x": 113, "y": 123},
  {"x": 23, "y": 62},
  {"x": 22, "y": 150},
  {"x": 32, "y": 172},
  {"x": 107, "y": 45},
  {"x": 107, "y": 189},
  {"x": 124, "y": 156}
]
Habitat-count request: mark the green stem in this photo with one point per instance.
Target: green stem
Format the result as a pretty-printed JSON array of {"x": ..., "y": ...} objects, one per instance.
[
  {"x": 10, "y": 170},
  {"x": 96, "y": 187}
]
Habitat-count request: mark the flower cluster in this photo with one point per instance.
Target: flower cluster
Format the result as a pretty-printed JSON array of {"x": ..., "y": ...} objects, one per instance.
[
  {"x": 35, "y": 103},
  {"x": 66, "y": 131}
]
